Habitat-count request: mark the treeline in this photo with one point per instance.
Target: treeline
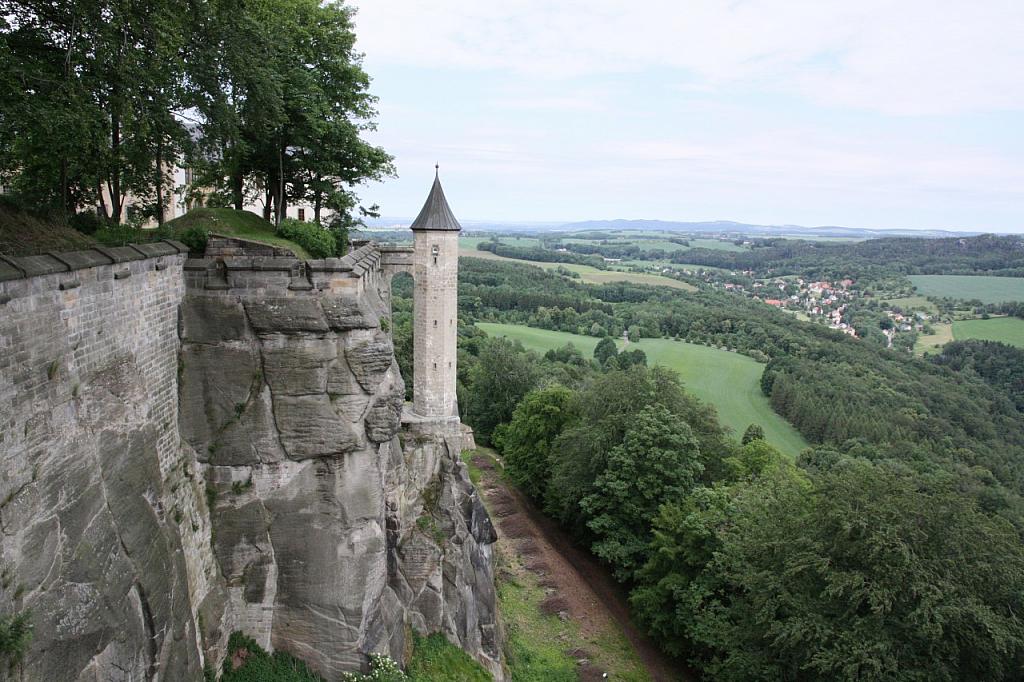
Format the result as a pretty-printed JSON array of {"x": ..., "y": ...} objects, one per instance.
[
  {"x": 260, "y": 100},
  {"x": 538, "y": 254},
  {"x": 746, "y": 565},
  {"x": 997, "y": 364},
  {"x": 985, "y": 254}
]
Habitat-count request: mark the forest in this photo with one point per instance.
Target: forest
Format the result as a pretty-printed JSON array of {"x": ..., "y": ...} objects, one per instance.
[
  {"x": 1001, "y": 255},
  {"x": 893, "y": 548}
]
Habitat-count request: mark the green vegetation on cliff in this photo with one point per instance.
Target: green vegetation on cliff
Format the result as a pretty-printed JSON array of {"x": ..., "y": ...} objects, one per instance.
[{"x": 433, "y": 658}]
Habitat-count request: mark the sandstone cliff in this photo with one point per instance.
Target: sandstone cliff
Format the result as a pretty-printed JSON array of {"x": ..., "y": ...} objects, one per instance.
[{"x": 225, "y": 458}]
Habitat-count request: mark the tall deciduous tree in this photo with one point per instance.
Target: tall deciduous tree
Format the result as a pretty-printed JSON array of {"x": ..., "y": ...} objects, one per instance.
[
  {"x": 103, "y": 97},
  {"x": 658, "y": 461}
]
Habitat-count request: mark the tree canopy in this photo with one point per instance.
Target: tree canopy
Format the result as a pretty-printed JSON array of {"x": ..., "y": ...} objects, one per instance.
[{"x": 262, "y": 99}]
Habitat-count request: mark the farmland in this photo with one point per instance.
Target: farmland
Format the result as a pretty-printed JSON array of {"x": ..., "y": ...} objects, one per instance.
[
  {"x": 969, "y": 287},
  {"x": 729, "y": 381},
  {"x": 588, "y": 274},
  {"x": 1009, "y": 330}
]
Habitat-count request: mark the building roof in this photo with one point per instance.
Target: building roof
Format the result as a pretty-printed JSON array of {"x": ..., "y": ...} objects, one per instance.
[{"x": 436, "y": 214}]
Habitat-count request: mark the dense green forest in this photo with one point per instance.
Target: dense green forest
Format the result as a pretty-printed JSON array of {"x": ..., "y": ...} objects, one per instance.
[
  {"x": 889, "y": 550},
  {"x": 987, "y": 254}
]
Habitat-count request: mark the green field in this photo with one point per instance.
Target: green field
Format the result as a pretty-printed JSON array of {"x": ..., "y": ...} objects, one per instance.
[
  {"x": 729, "y": 381},
  {"x": 471, "y": 242},
  {"x": 1006, "y": 329},
  {"x": 932, "y": 343},
  {"x": 912, "y": 303},
  {"x": 970, "y": 287},
  {"x": 587, "y": 273}
]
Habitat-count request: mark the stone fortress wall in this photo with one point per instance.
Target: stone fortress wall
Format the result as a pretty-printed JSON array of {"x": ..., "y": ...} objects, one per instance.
[
  {"x": 288, "y": 497},
  {"x": 98, "y": 508}
]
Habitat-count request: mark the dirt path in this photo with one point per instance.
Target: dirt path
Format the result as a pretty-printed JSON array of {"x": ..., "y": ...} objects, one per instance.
[{"x": 579, "y": 587}]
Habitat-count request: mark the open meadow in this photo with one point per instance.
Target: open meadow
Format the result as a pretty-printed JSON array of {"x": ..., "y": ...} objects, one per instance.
[
  {"x": 588, "y": 274},
  {"x": 970, "y": 287},
  {"x": 1009, "y": 330},
  {"x": 729, "y": 381}
]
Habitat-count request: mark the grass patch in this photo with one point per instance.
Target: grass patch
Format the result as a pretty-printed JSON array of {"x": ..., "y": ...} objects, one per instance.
[
  {"x": 435, "y": 658},
  {"x": 474, "y": 470},
  {"x": 913, "y": 303},
  {"x": 931, "y": 343},
  {"x": 538, "y": 645},
  {"x": 1009, "y": 330},
  {"x": 535, "y": 648},
  {"x": 25, "y": 234},
  {"x": 588, "y": 274},
  {"x": 241, "y": 224},
  {"x": 729, "y": 381},
  {"x": 969, "y": 287},
  {"x": 259, "y": 666}
]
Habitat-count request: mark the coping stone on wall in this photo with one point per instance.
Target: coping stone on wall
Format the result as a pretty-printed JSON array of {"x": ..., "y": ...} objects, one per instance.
[
  {"x": 198, "y": 263},
  {"x": 181, "y": 248},
  {"x": 120, "y": 254},
  {"x": 79, "y": 260},
  {"x": 155, "y": 249},
  {"x": 331, "y": 265},
  {"x": 10, "y": 270},
  {"x": 33, "y": 266}
]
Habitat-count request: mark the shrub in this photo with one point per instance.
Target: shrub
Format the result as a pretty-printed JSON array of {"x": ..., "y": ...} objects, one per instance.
[
  {"x": 320, "y": 243},
  {"x": 194, "y": 238},
  {"x": 15, "y": 635},
  {"x": 88, "y": 222}
]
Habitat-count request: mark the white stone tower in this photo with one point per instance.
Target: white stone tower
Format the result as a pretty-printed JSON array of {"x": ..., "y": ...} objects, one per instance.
[{"x": 435, "y": 306}]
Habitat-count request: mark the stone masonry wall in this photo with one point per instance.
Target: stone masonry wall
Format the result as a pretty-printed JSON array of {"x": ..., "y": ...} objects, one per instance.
[{"x": 100, "y": 508}]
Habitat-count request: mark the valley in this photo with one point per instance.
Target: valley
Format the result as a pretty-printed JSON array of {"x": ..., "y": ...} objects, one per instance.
[{"x": 728, "y": 381}]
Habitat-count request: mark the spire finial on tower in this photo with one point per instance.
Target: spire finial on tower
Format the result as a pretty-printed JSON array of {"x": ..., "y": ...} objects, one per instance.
[{"x": 436, "y": 214}]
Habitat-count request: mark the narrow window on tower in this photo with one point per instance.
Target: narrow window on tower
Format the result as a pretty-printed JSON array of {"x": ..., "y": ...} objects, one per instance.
[
  {"x": 435, "y": 323},
  {"x": 435, "y": 250}
]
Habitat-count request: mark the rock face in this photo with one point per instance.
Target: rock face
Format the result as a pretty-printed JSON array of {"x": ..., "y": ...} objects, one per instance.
[
  {"x": 100, "y": 511},
  {"x": 336, "y": 529}
]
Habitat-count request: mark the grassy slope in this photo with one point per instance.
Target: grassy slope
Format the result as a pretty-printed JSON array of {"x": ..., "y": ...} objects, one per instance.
[
  {"x": 729, "y": 381},
  {"x": 1006, "y": 329},
  {"x": 241, "y": 224},
  {"x": 536, "y": 643},
  {"x": 435, "y": 658},
  {"x": 587, "y": 273},
  {"x": 22, "y": 234},
  {"x": 969, "y": 287}
]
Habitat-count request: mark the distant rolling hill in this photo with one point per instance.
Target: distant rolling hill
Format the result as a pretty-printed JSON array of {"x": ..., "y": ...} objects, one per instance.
[
  {"x": 728, "y": 226},
  {"x": 706, "y": 227}
]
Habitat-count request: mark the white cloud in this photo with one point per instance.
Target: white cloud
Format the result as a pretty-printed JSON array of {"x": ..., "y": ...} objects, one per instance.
[{"x": 906, "y": 57}]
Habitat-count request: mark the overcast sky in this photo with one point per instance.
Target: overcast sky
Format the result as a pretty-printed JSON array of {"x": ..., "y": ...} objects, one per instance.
[{"x": 863, "y": 113}]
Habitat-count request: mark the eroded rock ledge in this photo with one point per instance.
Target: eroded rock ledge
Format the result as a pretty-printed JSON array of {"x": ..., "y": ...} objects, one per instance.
[{"x": 337, "y": 528}]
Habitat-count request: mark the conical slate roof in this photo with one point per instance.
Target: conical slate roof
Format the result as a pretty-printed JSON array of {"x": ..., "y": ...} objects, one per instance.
[{"x": 436, "y": 214}]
